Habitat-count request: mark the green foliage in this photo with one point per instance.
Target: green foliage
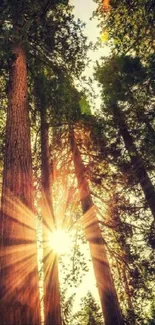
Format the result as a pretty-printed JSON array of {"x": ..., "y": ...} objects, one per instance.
[
  {"x": 84, "y": 105},
  {"x": 65, "y": 99},
  {"x": 118, "y": 74},
  {"x": 66, "y": 305},
  {"x": 57, "y": 96},
  {"x": 90, "y": 312},
  {"x": 56, "y": 50},
  {"x": 127, "y": 83},
  {"x": 47, "y": 30},
  {"x": 130, "y": 24},
  {"x": 152, "y": 320},
  {"x": 77, "y": 265}
]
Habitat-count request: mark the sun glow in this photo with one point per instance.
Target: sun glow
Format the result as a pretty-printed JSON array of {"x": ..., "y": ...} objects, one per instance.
[{"x": 60, "y": 241}]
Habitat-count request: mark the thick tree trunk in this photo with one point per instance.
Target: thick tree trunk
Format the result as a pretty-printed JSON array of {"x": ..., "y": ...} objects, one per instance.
[
  {"x": 52, "y": 309},
  {"x": 138, "y": 165},
  {"x": 19, "y": 289},
  {"x": 107, "y": 293}
]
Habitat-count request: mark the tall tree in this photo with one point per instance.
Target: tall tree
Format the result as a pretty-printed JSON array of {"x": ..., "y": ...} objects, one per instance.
[
  {"x": 52, "y": 309},
  {"x": 116, "y": 95},
  {"x": 19, "y": 291},
  {"x": 107, "y": 293}
]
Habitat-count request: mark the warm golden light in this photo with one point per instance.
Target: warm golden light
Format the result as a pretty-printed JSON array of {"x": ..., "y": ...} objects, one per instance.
[{"x": 60, "y": 241}]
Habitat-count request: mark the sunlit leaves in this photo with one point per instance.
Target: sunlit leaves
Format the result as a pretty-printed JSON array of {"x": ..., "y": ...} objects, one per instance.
[
  {"x": 104, "y": 36},
  {"x": 89, "y": 313},
  {"x": 131, "y": 26},
  {"x": 84, "y": 105}
]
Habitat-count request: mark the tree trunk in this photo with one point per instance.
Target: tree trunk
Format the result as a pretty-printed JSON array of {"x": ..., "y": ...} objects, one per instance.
[
  {"x": 115, "y": 219},
  {"x": 129, "y": 297},
  {"x": 107, "y": 293},
  {"x": 138, "y": 165},
  {"x": 52, "y": 309},
  {"x": 19, "y": 289}
]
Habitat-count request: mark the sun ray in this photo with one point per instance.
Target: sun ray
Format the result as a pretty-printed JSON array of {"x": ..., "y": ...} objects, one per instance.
[{"x": 60, "y": 241}]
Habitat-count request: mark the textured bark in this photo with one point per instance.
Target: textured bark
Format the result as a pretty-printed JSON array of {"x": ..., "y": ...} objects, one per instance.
[
  {"x": 52, "y": 309},
  {"x": 104, "y": 281},
  {"x": 114, "y": 218},
  {"x": 138, "y": 165},
  {"x": 19, "y": 293}
]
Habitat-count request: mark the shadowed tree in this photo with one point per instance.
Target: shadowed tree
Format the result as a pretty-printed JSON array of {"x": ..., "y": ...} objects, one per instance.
[{"x": 118, "y": 76}]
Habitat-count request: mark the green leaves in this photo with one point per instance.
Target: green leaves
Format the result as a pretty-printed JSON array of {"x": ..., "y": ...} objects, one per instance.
[
  {"x": 90, "y": 313},
  {"x": 84, "y": 105},
  {"x": 47, "y": 30},
  {"x": 130, "y": 24},
  {"x": 118, "y": 75}
]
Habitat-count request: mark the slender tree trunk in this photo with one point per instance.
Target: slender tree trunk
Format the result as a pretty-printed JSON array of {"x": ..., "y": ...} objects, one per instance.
[
  {"x": 138, "y": 164},
  {"x": 129, "y": 296},
  {"x": 107, "y": 293},
  {"x": 19, "y": 289},
  {"x": 116, "y": 222},
  {"x": 52, "y": 309}
]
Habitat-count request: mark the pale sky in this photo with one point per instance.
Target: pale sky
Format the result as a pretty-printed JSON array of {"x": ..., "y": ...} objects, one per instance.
[{"x": 83, "y": 9}]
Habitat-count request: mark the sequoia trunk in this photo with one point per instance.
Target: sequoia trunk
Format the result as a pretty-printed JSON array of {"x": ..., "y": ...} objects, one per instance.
[
  {"x": 19, "y": 289},
  {"x": 107, "y": 293},
  {"x": 52, "y": 309}
]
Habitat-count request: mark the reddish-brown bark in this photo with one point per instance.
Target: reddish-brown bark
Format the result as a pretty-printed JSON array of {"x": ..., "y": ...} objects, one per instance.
[
  {"x": 52, "y": 307},
  {"x": 19, "y": 293},
  {"x": 104, "y": 281}
]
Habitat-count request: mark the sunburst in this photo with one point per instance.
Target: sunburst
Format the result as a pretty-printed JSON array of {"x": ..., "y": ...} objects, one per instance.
[{"x": 60, "y": 241}]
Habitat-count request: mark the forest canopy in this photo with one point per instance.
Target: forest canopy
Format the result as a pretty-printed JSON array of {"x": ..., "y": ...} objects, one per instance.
[{"x": 77, "y": 180}]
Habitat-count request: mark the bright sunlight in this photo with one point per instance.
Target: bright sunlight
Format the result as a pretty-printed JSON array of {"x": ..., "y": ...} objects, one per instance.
[{"x": 60, "y": 241}]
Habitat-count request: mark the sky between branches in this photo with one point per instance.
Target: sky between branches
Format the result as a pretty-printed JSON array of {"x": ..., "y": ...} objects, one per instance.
[{"x": 83, "y": 9}]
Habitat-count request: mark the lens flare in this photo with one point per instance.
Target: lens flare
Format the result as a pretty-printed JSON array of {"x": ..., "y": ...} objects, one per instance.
[{"x": 60, "y": 241}]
